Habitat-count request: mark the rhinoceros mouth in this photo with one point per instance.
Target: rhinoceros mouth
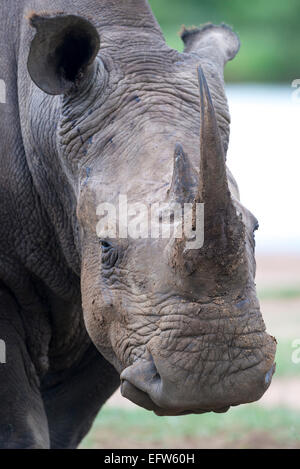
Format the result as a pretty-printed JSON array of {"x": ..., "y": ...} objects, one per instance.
[
  {"x": 140, "y": 398},
  {"x": 145, "y": 384}
]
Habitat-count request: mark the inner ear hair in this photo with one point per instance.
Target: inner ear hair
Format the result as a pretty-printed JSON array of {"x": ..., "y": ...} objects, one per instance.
[{"x": 62, "y": 51}]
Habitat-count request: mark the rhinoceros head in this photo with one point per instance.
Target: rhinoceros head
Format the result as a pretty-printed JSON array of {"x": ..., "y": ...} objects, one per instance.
[{"x": 142, "y": 125}]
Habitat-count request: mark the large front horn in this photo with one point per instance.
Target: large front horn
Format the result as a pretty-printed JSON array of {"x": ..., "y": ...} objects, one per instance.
[
  {"x": 223, "y": 227},
  {"x": 213, "y": 184}
]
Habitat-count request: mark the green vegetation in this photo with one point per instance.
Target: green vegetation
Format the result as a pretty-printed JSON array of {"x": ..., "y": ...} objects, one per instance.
[
  {"x": 144, "y": 428},
  {"x": 287, "y": 293},
  {"x": 284, "y": 365},
  {"x": 269, "y": 32}
]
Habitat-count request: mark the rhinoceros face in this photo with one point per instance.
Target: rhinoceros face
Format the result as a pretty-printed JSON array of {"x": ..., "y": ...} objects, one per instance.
[{"x": 180, "y": 322}]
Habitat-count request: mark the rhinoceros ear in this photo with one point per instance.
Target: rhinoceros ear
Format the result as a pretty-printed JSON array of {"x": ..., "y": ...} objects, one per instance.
[
  {"x": 217, "y": 43},
  {"x": 62, "y": 52}
]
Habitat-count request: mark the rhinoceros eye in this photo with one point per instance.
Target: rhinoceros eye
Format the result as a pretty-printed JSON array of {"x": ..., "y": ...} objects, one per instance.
[{"x": 109, "y": 254}]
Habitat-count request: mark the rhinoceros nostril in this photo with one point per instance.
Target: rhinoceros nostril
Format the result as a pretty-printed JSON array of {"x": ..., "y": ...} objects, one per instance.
[
  {"x": 139, "y": 381},
  {"x": 143, "y": 374}
]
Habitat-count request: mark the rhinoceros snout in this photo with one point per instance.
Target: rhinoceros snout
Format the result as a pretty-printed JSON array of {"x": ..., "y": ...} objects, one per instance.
[{"x": 157, "y": 391}]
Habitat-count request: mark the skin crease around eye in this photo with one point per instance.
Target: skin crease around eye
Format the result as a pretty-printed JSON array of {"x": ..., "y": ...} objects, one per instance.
[
  {"x": 105, "y": 245},
  {"x": 109, "y": 254}
]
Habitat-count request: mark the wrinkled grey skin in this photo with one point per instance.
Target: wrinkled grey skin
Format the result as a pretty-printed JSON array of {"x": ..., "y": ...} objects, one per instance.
[{"x": 184, "y": 331}]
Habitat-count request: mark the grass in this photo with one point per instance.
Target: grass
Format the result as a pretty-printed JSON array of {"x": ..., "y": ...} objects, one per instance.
[{"x": 144, "y": 428}]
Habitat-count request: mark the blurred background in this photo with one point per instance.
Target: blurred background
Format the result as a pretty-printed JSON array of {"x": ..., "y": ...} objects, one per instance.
[{"x": 264, "y": 156}]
